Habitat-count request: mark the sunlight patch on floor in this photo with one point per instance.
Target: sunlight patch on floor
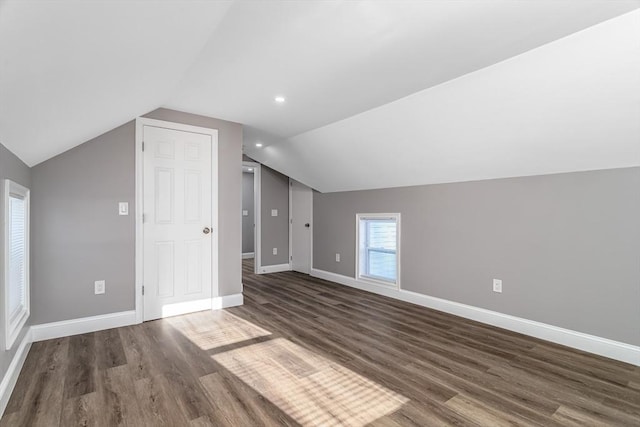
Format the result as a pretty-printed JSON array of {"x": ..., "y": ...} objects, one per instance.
[
  {"x": 213, "y": 329},
  {"x": 309, "y": 388}
]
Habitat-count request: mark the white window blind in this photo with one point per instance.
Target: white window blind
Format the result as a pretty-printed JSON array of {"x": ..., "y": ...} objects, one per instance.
[
  {"x": 380, "y": 245},
  {"x": 17, "y": 247}
]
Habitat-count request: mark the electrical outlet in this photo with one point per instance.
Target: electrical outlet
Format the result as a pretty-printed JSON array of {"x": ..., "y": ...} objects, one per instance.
[
  {"x": 274, "y": 212},
  {"x": 99, "y": 287},
  {"x": 275, "y": 251},
  {"x": 497, "y": 285},
  {"x": 337, "y": 257}
]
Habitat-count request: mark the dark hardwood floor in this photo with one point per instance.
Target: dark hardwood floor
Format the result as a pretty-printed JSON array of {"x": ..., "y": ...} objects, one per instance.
[{"x": 306, "y": 351}]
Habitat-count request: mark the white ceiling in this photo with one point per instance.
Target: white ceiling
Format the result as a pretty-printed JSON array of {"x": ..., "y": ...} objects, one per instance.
[
  {"x": 334, "y": 59},
  {"x": 570, "y": 105},
  {"x": 72, "y": 70}
]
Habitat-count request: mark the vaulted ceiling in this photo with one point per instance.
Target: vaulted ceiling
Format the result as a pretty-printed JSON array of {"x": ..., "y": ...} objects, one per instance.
[{"x": 378, "y": 93}]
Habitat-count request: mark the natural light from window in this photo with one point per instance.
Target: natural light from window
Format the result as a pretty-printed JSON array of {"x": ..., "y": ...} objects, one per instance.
[
  {"x": 311, "y": 389},
  {"x": 213, "y": 329},
  {"x": 378, "y": 243}
]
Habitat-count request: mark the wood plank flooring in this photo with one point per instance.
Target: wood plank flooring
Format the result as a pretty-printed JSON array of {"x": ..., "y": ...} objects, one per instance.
[{"x": 303, "y": 351}]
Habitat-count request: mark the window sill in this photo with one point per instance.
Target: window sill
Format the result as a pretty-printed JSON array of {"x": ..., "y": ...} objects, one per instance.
[{"x": 378, "y": 282}]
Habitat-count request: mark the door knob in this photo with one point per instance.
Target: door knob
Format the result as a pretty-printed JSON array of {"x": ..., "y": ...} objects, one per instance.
[
  {"x": 206, "y": 230},
  {"x": 307, "y": 225}
]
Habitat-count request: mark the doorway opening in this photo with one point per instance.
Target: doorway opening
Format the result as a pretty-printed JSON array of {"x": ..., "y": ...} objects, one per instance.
[{"x": 251, "y": 212}]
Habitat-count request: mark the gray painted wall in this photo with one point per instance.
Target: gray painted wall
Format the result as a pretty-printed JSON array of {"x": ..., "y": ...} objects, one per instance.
[
  {"x": 14, "y": 169},
  {"x": 79, "y": 236},
  {"x": 275, "y": 230},
  {"x": 566, "y": 246},
  {"x": 247, "y": 204}
]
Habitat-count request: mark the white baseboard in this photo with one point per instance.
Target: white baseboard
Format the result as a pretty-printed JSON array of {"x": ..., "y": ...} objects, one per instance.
[
  {"x": 581, "y": 341},
  {"x": 13, "y": 371},
  {"x": 83, "y": 325},
  {"x": 227, "y": 301},
  {"x": 274, "y": 268},
  {"x": 248, "y": 255}
]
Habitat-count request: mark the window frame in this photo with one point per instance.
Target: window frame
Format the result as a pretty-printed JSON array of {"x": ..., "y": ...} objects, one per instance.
[
  {"x": 13, "y": 328},
  {"x": 361, "y": 247}
]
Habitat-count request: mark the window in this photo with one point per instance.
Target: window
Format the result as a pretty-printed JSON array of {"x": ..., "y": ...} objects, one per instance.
[
  {"x": 16, "y": 260},
  {"x": 379, "y": 248}
]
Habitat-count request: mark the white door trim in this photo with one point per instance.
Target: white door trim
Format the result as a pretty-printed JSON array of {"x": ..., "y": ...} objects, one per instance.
[
  {"x": 257, "y": 212},
  {"x": 139, "y": 160}
]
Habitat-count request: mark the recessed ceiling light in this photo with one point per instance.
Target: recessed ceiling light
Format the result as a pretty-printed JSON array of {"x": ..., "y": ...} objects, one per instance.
[
  {"x": 279, "y": 99},
  {"x": 250, "y": 169},
  {"x": 259, "y": 144}
]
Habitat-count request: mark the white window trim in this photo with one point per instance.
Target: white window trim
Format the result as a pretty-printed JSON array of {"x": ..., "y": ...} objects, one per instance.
[
  {"x": 12, "y": 330},
  {"x": 373, "y": 281}
]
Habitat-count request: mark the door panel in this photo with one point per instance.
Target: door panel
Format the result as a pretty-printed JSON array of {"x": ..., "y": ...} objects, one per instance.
[
  {"x": 193, "y": 277},
  {"x": 177, "y": 210},
  {"x": 165, "y": 267},
  {"x": 301, "y": 205}
]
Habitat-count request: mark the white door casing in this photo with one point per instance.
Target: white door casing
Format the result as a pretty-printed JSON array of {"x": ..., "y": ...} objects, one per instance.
[
  {"x": 180, "y": 220},
  {"x": 301, "y": 226}
]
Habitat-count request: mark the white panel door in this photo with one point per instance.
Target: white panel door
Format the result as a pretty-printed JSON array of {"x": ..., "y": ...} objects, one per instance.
[
  {"x": 178, "y": 222},
  {"x": 301, "y": 205}
]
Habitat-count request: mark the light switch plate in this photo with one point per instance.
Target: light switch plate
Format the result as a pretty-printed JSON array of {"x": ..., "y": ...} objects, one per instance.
[
  {"x": 274, "y": 212},
  {"x": 99, "y": 286},
  {"x": 275, "y": 251},
  {"x": 123, "y": 208},
  {"x": 245, "y": 212},
  {"x": 497, "y": 285}
]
